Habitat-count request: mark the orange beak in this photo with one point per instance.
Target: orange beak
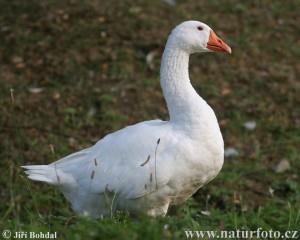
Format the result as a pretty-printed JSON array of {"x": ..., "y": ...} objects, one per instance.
[{"x": 216, "y": 44}]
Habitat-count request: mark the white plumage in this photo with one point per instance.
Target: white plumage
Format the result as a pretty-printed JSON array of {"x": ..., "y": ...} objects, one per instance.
[{"x": 145, "y": 167}]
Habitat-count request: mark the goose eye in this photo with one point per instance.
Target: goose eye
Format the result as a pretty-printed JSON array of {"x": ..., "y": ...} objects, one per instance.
[{"x": 200, "y": 28}]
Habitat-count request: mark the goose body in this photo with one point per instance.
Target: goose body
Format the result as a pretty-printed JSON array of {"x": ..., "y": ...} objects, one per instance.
[{"x": 146, "y": 167}]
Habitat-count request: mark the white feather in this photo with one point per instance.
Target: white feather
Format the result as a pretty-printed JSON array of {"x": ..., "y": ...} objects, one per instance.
[{"x": 150, "y": 165}]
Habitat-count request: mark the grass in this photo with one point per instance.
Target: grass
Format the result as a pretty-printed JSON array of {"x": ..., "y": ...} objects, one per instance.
[{"x": 89, "y": 58}]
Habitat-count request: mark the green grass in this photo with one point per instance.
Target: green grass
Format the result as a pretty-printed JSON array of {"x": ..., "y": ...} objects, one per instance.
[{"x": 90, "y": 59}]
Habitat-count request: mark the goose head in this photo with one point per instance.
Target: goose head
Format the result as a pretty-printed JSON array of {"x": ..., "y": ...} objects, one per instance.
[{"x": 195, "y": 36}]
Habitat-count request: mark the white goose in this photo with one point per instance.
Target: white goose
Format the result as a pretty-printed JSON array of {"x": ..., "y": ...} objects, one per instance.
[{"x": 145, "y": 167}]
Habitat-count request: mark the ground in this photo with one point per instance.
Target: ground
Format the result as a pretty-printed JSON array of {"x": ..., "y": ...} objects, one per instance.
[{"x": 73, "y": 71}]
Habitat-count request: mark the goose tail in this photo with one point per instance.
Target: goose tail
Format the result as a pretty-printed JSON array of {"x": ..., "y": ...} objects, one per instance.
[{"x": 51, "y": 175}]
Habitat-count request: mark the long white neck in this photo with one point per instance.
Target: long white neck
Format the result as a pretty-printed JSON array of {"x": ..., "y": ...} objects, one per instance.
[{"x": 183, "y": 102}]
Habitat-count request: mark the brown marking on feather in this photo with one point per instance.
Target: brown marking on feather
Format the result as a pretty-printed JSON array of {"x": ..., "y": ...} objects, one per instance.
[
  {"x": 95, "y": 161},
  {"x": 58, "y": 178},
  {"x": 147, "y": 160},
  {"x": 156, "y": 185},
  {"x": 93, "y": 174}
]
